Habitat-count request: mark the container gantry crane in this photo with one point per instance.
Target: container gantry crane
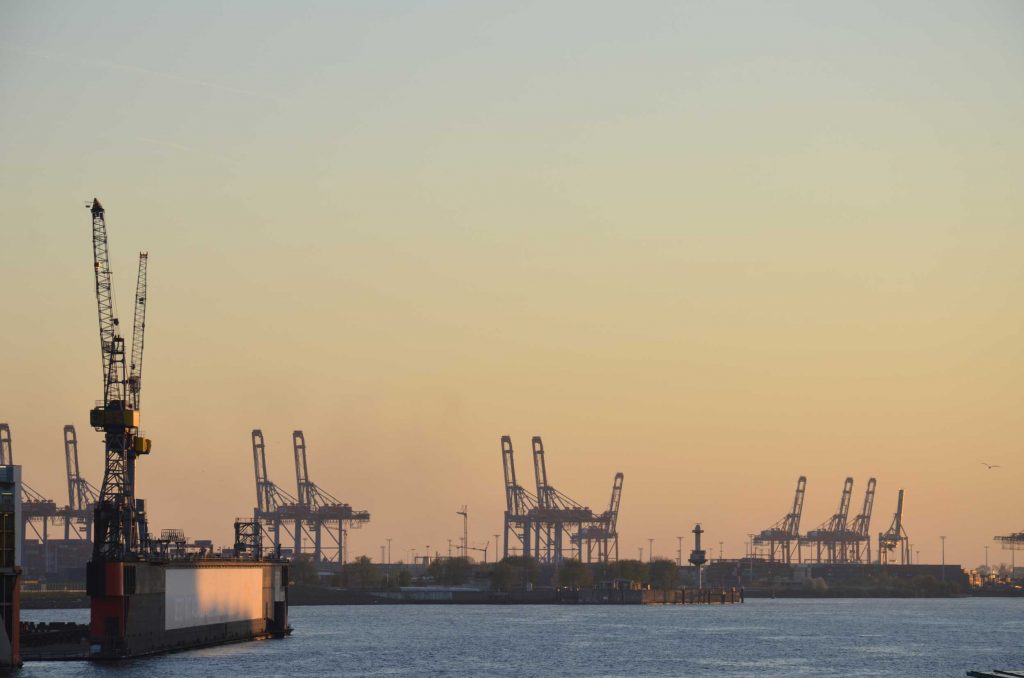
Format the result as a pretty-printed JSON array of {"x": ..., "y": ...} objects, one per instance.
[
  {"x": 895, "y": 538},
  {"x": 603, "y": 533},
  {"x": 783, "y": 538},
  {"x": 830, "y": 539},
  {"x": 324, "y": 519},
  {"x": 118, "y": 513}
]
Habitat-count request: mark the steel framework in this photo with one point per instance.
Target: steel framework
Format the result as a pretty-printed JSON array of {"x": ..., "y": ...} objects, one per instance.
[
  {"x": 558, "y": 519},
  {"x": 1012, "y": 542},
  {"x": 313, "y": 523},
  {"x": 325, "y": 519},
  {"x": 830, "y": 541},
  {"x": 783, "y": 538},
  {"x": 118, "y": 515},
  {"x": 602, "y": 533},
  {"x": 550, "y": 526},
  {"x": 895, "y": 539}
]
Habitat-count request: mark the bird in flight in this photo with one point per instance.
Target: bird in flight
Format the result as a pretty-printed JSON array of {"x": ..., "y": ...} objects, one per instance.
[{"x": 990, "y": 466}]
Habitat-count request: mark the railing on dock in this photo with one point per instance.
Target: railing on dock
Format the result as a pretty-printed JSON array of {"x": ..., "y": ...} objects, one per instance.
[
  {"x": 692, "y": 596},
  {"x": 680, "y": 596}
]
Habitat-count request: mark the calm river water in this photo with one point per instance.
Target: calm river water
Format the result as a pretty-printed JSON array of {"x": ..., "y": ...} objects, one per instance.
[{"x": 760, "y": 638}]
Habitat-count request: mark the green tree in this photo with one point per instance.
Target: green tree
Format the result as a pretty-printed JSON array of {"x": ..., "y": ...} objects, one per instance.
[
  {"x": 450, "y": 571},
  {"x": 361, "y": 573},
  {"x": 515, "y": 572},
  {"x": 664, "y": 574},
  {"x": 633, "y": 570},
  {"x": 303, "y": 571},
  {"x": 404, "y": 578},
  {"x": 574, "y": 574}
]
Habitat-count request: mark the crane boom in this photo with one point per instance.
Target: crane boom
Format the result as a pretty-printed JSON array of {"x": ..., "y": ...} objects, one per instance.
[
  {"x": 111, "y": 343},
  {"x": 259, "y": 458},
  {"x": 613, "y": 506},
  {"x": 301, "y": 468},
  {"x": 793, "y": 522},
  {"x": 71, "y": 461},
  {"x": 540, "y": 470},
  {"x": 138, "y": 334},
  {"x": 844, "y": 505},
  {"x": 862, "y": 523},
  {"x": 897, "y": 520},
  {"x": 509, "y": 465}
]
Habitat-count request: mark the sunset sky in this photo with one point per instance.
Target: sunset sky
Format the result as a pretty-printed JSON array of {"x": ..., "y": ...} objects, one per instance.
[{"x": 712, "y": 245}]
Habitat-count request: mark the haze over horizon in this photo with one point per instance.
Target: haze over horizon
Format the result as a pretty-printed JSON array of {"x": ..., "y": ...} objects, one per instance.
[{"x": 714, "y": 246}]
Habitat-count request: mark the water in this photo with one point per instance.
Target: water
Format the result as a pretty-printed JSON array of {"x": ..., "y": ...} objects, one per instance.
[{"x": 937, "y": 637}]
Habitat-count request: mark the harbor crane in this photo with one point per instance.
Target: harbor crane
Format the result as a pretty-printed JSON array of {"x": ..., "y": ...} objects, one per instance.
[
  {"x": 119, "y": 514},
  {"x": 895, "y": 538},
  {"x": 550, "y": 526},
  {"x": 830, "y": 539},
  {"x": 602, "y": 532},
  {"x": 783, "y": 538},
  {"x": 324, "y": 519}
]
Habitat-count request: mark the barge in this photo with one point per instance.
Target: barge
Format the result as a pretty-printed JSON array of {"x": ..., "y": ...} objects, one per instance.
[{"x": 148, "y": 607}]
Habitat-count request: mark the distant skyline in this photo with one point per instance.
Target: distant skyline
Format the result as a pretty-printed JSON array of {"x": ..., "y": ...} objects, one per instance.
[{"x": 714, "y": 246}]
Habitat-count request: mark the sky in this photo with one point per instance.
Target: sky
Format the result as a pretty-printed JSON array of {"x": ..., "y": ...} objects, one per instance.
[{"x": 712, "y": 245}]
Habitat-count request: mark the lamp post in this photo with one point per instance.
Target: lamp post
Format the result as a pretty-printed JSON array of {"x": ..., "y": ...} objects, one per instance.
[
  {"x": 495, "y": 548},
  {"x": 679, "y": 557},
  {"x": 986, "y": 558},
  {"x": 943, "y": 538},
  {"x": 650, "y": 550},
  {"x": 388, "y": 567}
]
